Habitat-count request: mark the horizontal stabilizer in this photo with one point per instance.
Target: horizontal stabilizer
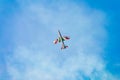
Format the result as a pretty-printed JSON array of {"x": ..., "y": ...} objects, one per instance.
[{"x": 64, "y": 47}]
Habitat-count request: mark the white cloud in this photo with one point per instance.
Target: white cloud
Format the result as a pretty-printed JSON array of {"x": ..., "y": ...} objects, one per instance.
[{"x": 36, "y": 58}]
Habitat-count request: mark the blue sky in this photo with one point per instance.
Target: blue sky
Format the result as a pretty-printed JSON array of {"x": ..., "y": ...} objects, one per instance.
[{"x": 28, "y": 28}]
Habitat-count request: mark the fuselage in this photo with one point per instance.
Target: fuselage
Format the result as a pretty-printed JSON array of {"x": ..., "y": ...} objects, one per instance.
[{"x": 63, "y": 45}]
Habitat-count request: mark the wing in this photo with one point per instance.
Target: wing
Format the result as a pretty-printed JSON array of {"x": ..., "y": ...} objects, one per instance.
[
  {"x": 66, "y": 37},
  {"x": 58, "y": 40},
  {"x": 55, "y": 41}
]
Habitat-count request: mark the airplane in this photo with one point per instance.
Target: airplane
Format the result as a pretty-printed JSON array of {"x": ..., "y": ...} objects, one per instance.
[{"x": 61, "y": 39}]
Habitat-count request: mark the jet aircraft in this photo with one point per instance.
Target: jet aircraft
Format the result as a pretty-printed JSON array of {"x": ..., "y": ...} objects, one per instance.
[{"x": 61, "y": 39}]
